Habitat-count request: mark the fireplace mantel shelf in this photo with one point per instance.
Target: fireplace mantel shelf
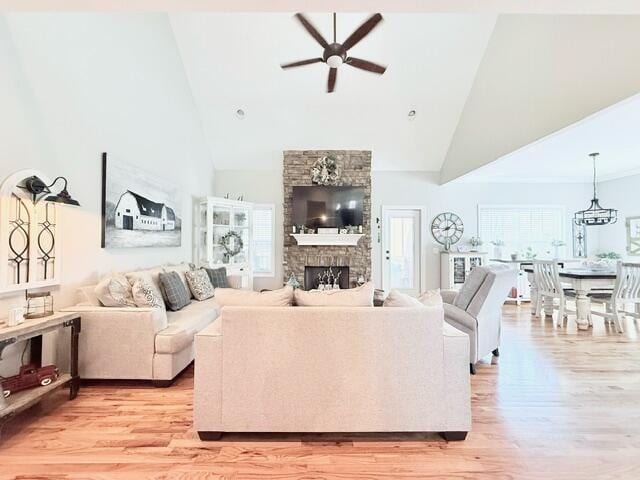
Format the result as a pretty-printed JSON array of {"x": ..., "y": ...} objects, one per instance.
[{"x": 344, "y": 239}]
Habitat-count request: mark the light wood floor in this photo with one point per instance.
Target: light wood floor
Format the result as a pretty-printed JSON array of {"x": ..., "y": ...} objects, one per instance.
[{"x": 561, "y": 404}]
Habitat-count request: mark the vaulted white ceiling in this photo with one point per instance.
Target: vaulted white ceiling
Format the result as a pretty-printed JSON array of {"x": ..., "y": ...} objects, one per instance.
[
  {"x": 563, "y": 156},
  {"x": 232, "y": 62}
]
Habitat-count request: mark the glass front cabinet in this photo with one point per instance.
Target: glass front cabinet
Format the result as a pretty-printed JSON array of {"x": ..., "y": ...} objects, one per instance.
[
  {"x": 223, "y": 237},
  {"x": 455, "y": 267}
]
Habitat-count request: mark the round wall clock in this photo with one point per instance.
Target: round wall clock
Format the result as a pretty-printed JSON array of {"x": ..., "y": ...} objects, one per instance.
[{"x": 447, "y": 229}]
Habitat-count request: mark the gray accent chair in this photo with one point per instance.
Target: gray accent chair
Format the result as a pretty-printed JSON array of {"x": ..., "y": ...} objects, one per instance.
[{"x": 477, "y": 308}]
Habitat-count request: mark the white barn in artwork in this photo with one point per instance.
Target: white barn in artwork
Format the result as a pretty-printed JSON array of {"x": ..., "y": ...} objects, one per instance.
[{"x": 135, "y": 212}]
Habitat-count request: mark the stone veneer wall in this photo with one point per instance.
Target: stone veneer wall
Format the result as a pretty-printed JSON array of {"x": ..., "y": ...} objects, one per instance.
[{"x": 355, "y": 168}]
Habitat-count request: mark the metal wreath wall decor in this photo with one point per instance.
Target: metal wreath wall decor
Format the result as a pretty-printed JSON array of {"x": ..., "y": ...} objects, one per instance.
[
  {"x": 232, "y": 243},
  {"x": 325, "y": 171}
]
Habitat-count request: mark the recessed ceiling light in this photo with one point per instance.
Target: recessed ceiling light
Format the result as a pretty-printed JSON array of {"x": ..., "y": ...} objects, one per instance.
[
  {"x": 411, "y": 114},
  {"x": 240, "y": 113}
]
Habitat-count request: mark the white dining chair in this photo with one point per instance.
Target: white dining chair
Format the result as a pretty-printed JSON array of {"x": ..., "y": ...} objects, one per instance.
[
  {"x": 625, "y": 291},
  {"x": 549, "y": 288}
]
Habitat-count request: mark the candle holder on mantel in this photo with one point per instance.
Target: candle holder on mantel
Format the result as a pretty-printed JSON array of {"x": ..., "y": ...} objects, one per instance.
[{"x": 39, "y": 305}]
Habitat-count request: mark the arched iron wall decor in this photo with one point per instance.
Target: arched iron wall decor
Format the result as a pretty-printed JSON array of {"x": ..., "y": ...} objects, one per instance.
[{"x": 29, "y": 226}]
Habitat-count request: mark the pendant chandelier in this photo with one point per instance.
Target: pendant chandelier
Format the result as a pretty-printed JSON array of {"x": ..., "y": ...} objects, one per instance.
[{"x": 595, "y": 214}]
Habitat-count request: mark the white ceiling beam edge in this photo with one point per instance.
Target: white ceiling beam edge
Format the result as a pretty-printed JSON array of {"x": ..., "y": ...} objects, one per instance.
[{"x": 557, "y": 7}]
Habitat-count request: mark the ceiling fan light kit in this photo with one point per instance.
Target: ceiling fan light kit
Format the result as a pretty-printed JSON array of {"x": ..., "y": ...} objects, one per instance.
[{"x": 335, "y": 54}]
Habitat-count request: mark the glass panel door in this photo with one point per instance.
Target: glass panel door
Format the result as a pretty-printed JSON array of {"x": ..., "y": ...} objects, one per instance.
[{"x": 401, "y": 250}]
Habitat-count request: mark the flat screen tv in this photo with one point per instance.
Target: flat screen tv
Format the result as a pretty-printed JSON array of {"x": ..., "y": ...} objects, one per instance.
[{"x": 327, "y": 207}]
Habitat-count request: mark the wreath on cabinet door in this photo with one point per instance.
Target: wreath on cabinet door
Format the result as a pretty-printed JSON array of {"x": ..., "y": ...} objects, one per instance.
[
  {"x": 232, "y": 243},
  {"x": 325, "y": 171}
]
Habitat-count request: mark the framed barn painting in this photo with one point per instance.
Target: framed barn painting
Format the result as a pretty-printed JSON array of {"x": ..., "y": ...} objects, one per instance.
[{"x": 139, "y": 209}]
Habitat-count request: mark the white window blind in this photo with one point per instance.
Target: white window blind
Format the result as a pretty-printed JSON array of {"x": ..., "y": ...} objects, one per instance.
[
  {"x": 522, "y": 227},
  {"x": 263, "y": 241}
]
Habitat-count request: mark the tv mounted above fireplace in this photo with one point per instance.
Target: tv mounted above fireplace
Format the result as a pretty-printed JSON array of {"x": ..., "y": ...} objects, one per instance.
[{"x": 330, "y": 207}]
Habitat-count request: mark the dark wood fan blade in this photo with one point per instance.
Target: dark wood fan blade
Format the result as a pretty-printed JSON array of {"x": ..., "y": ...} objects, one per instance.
[
  {"x": 366, "y": 65},
  {"x": 301, "y": 63},
  {"x": 331, "y": 83},
  {"x": 308, "y": 26},
  {"x": 362, "y": 31}
]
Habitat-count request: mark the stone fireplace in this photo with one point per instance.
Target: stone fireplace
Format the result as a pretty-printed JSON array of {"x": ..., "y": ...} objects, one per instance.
[{"x": 355, "y": 168}]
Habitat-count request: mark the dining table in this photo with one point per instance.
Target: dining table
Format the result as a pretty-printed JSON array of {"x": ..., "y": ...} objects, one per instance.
[{"x": 583, "y": 280}]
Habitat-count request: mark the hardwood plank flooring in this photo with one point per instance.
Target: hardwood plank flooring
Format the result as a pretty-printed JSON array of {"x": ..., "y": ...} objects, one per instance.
[{"x": 559, "y": 404}]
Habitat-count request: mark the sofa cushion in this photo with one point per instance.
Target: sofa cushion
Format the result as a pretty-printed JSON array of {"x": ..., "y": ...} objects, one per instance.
[
  {"x": 144, "y": 295},
  {"x": 470, "y": 287},
  {"x": 199, "y": 284},
  {"x": 114, "y": 290},
  {"x": 231, "y": 297},
  {"x": 399, "y": 299},
  {"x": 181, "y": 269},
  {"x": 176, "y": 293},
  {"x": 353, "y": 297},
  {"x": 218, "y": 277},
  {"x": 150, "y": 276},
  {"x": 184, "y": 324}
]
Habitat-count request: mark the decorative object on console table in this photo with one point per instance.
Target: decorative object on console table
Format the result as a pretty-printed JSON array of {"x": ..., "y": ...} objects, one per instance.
[
  {"x": 633, "y": 235},
  {"x": 139, "y": 209},
  {"x": 29, "y": 376},
  {"x": 579, "y": 241},
  {"x": 38, "y": 305}
]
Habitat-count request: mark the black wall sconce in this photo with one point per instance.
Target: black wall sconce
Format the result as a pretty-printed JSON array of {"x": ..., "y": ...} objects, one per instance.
[{"x": 37, "y": 188}]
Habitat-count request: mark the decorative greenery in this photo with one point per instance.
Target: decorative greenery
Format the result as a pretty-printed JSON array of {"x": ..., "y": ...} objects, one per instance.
[
  {"x": 475, "y": 242},
  {"x": 226, "y": 242},
  {"x": 609, "y": 256},
  {"x": 497, "y": 243},
  {"x": 529, "y": 254},
  {"x": 325, "y": 171}
]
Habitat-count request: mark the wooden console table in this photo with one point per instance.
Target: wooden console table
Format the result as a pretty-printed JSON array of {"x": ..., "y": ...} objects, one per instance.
[{"x": 33, "y": 330}]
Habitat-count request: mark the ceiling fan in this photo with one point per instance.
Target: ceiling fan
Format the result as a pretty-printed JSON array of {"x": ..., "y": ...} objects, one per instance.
[{"x": 335, "y": 54}]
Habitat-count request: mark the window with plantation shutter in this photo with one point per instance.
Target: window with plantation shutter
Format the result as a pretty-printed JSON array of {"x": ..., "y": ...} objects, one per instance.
[
  {"x": 263, "y": 240},
  {"x": 523, "y": 228}
]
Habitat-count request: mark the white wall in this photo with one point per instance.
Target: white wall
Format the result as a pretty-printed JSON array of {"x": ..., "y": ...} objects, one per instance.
[
  {"x": 417, "y": 189},
  {"x": 621, "y": 194},
  {"x": 75, "y": 85}
]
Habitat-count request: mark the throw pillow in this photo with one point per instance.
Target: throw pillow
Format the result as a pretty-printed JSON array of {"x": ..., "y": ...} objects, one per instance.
[
  {"x": 114, "y": 291},
  {"x": 200, "y": 284},
  {"x": 145, "y": 295},
  {"x": 248, "y": 298},
  {"x": 353, "y": 297},
  {"x": 399, "y": 299},
  {"x": 218, "y": 277},
  {"x": 181, "y": 269},
  {"x": 431, "y": 298},
  {"x": 176, "y": 293},
  {"x": 151, "y": 277}
]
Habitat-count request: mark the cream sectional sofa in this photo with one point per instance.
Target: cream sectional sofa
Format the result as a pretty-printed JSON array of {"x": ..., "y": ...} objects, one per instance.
[
  {"x": 331, "y": 369},
  {"x": 138, "y": 343}
]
